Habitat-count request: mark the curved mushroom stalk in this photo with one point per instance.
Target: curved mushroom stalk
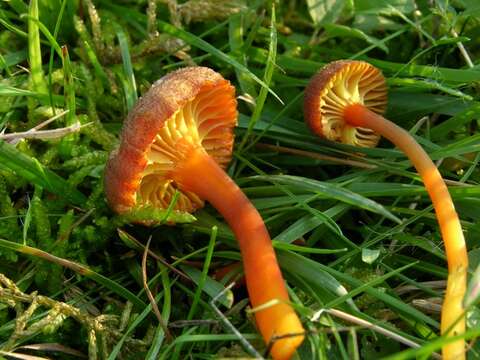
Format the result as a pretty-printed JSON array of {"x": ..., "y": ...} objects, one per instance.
[
  {"x": 200, "y": 174},
  {"x": 450, "y": 228},
  {"x": 179, "y": 137},
  {"x": 344, "y": 102}
]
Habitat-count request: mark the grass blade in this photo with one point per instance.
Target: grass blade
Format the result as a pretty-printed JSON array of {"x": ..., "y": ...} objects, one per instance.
[
  {"x": 331, "y": 191},
  {"x": 34, "y": 51},
  {"x": 269, "y": 68},
  {"x": 205, "y": 46},
  {"x": 131, "y": 86}
]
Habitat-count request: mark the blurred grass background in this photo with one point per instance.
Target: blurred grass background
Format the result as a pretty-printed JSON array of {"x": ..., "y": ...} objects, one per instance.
[{"x": 353, "y": 228}]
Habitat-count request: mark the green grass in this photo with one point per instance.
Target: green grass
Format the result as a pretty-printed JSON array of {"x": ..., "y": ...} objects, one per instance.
[{"x": 353, "y": 228}]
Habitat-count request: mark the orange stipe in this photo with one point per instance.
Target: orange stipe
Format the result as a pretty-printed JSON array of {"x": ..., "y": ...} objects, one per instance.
[
  {"x": 450, "y": 228},
  {"x": 344, "y": 102},
  {"x": 200, "y": 174},
  {"x": 178, "y": 138}
]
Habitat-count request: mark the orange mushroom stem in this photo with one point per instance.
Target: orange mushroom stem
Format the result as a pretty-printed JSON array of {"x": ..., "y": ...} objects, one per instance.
[
  {"x": 344, "y": 102},
  {"x": 200, "y": 174},
  {"x": 179, "y": 137}
]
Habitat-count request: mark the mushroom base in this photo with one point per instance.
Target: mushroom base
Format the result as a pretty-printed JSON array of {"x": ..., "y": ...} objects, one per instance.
[{"x": 200, "y": 174}]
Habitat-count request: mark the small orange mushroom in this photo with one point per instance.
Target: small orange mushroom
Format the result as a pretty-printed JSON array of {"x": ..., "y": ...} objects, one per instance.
[
  {"x": 179, "y": 137},
  {"x": 344, "y": 102}
]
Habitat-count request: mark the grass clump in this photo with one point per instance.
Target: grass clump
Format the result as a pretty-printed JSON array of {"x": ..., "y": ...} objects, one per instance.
[{"x": 354, "y": 232}]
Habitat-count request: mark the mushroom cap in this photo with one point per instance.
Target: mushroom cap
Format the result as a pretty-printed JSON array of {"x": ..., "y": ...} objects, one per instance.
[
  {"x": 333, "y": 88},
  {"x": 194, "y": 105}
]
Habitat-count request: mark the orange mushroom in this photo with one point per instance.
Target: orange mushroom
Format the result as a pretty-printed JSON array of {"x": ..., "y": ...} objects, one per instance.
[
  {"x": 344, "y": 102},
  {"x": 179, "y": 137}
]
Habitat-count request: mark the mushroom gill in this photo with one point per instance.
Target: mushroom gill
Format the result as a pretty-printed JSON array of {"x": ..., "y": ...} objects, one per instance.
[
  {"x": 204, "y": 121},
  {"x": 193, "y": 105},
  {"x": 340, "y": 84}
]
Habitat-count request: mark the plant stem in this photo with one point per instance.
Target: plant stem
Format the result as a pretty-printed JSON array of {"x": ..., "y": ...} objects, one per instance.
[
  {"x": 453, "y": 314},
  {"x": 200, "y": 174}
]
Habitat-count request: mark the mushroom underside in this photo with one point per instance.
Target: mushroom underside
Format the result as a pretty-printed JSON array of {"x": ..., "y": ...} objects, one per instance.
[
  {"x": 206, "y": 122},
  {"x": 354, "y": 83}
]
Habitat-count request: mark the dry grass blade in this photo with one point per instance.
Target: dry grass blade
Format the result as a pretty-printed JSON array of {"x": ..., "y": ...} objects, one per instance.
[
  {"x": 41, "y": 125},
  {"x": 436, "y": 284},
  {"x": 246, "y": 345},
  {"x": 150, "y": 296},
  {"x": 367, "y": 324},
  {"x": 139, "y": 246},
  {"x": 44, "y": 134},
  {"x": 77, "y": 223},
  {"x": 190, "y": 323},
  {"x": 316, "y": 156},
  {"x": 22, "y": 356},
  {"x": 53, "y": 347}
]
